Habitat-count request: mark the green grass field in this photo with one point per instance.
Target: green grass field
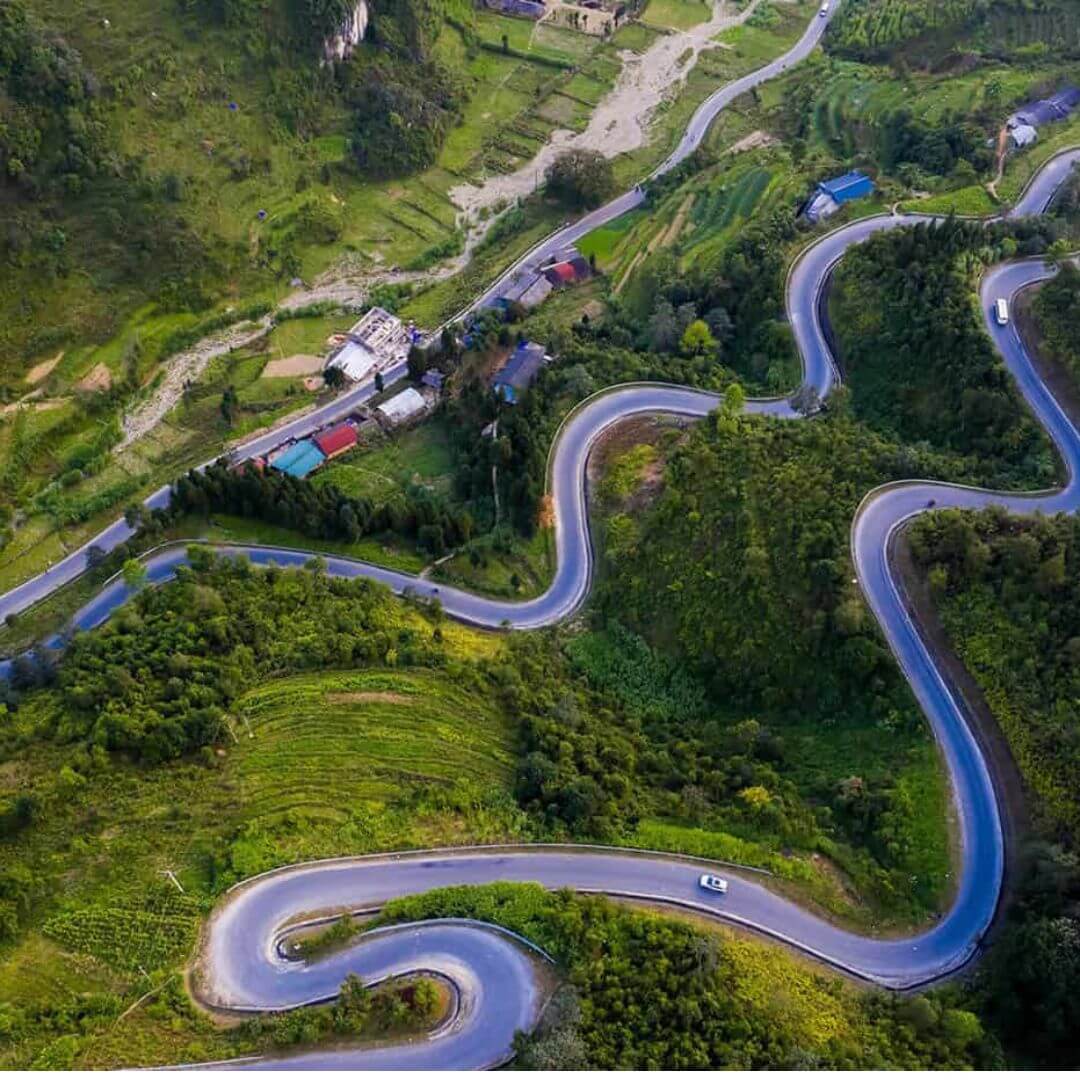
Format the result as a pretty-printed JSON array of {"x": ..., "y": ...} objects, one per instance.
[
  {"x": 676, "y": 14},
  {"x": 418, "y": 455}
]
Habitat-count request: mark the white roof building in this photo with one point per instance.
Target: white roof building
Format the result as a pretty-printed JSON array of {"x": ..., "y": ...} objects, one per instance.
[
  {"x": 403, "y": 406},
  {"x": 377, "y": 342},
  {"x": 356, "y": 360},
  {"x": 1023, "y": 135}
]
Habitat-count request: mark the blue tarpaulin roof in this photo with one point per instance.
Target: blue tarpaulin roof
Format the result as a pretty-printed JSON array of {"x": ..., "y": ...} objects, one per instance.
[
  {"x": 300, "y": 459},
  {"x": 852, "y": 185}
]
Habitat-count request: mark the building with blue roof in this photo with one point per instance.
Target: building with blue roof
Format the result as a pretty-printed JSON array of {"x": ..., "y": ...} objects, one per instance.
[
  {"x": 830, "y": 195},
  {"x": 517, "y": 374},
  {"x": 1048, "y": 110},
  {"x": 299, "y": 460}
]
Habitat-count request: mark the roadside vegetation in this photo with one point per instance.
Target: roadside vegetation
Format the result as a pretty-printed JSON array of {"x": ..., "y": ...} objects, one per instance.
[
  {"x": 1056, "y": 307},
  {"x": 913, "y": 351},
  {"x": 1006, "y": 592},
  {"x": 712, "y": 996}
]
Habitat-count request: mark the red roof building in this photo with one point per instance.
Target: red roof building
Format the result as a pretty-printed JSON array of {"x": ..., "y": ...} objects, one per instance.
[
  {"x": 337, "y": 440},
  {"x": 560, "y": 274}
]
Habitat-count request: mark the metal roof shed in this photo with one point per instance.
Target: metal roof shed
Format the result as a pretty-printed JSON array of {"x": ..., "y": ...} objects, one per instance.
[
  {"x": 852, "y": 185},
  {"x": 403, "y": 406},
  {"x": 298, "y": 460},
  {"x": 336, "y": 440}
]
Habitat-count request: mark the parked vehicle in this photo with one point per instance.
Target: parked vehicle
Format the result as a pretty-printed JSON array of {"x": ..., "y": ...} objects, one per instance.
[
  {"x": 1001, "y": 311},
  {"x": 713, "y": 883},
  {"x": 824, "y": 10}
]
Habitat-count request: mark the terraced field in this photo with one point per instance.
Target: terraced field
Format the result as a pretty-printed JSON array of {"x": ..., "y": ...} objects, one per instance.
[{"x": 333, "y": 740}]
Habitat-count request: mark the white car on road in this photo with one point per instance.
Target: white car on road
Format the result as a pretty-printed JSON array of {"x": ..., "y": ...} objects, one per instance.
[
  {"x": 713, "y": 883},
  {"x": 1001, "y": 311}
]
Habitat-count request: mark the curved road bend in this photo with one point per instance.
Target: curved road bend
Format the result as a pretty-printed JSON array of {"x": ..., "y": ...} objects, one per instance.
[{"x": 243, "y": 969}]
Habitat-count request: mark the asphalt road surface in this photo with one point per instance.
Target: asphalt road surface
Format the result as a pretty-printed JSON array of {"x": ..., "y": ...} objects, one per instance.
[{"x": 241, "y": 966}]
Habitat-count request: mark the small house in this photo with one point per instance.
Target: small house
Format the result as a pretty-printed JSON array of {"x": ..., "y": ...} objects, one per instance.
[
  {"x": 1023, "y": 135},
  {"x": 830, "y": 195},
  {"x": 1056, "y": 107},
  {"x": 529, "y": 290},
  {"x": 433, "y": 379},
  {"x": 336, "y": 440},
  {"x": 402, "y": 407},
  {"x": 518, "y": 373}
]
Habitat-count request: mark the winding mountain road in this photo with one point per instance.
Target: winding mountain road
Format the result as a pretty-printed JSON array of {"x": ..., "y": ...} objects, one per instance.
[{"x": 241, "y": 966}]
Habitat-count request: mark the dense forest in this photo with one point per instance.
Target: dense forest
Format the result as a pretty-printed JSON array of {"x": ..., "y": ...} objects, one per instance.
[
  {"x": 1057, "y": 312},
  {"x": 157, "y": 681},
  {"x": 646, "y": 992},
  {"x": 1008, "y": 591},
  {"x": 883, "y": 29},
  {"x": 739, "y": 572},
  {"x": 916, "y": 361}
]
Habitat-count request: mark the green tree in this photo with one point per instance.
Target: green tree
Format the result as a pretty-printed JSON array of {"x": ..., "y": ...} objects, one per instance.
[
  {"x": 581, "y": 178},
  {"x": 697, "y": 340},
  {"x": 134, "y": 574}
]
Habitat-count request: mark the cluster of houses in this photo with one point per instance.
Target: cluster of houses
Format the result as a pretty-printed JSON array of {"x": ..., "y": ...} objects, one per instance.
[
  {"x": 301, "y": 457},
  {"x": 1023, "y": 125}
]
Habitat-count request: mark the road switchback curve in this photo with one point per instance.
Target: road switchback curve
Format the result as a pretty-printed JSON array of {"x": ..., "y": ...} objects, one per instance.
[{"x": 241, "y": 967}]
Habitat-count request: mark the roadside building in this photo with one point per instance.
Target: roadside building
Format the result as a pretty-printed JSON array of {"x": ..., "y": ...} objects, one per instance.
[
  {"x": 376, "y": 342},
  {"x": 568, "y": 271},
  {"x": 528, "y": 289},
  {"x": 525, "y": 9},
  {"x": 336, "y": 440},
  {"x": 407, "y": 405},
  {"x": 518, "y": 373},
  {"x": 299, "y": 459},
  {"x": 830, "y": 195},
  {"x": 1047, "y": 110}
]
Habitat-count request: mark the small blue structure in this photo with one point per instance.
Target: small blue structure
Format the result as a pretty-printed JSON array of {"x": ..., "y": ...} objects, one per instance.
[
  {"x": 518, "y": 372},
  {"x": 832, "y": 194},
  {"x": 299, "y": 460}
]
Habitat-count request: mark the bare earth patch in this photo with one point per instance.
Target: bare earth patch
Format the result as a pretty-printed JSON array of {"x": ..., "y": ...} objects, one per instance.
[
  {"x": 44, "y": 369},
  {"x": 298, "y": 364},
  {"x": 620, "y": 122},
  {"x": 360, "y": 696},
  {"x": 42, "y": 405},
  {"x": 98, "y": 378},
  {"x": 752, "y": 141}
]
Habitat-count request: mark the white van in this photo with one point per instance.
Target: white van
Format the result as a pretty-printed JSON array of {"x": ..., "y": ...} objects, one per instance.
[
  {"x": 824, "y": 9},
  {"x": 1001, "y": 311}
]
